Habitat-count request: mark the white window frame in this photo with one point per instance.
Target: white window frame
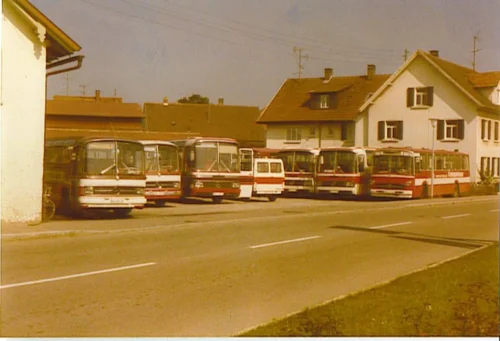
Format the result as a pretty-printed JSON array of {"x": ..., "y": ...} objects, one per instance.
[
  {"x": 293, "y": 135},
  {"x": 392, "y": 128},
  {"x": 452, "y": 124},
  {"x": 324, "y": 101},
  {"x": 420, "y": 95}
]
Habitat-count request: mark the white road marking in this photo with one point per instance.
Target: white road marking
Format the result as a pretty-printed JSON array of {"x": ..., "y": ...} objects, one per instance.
[
  {"x": 74, "y": 276},
  {"x": 390, "y": 225},
  {"x": 284, "y": 242},
  {"x": 456, "y": 216},
  {"x": 494, "y": 210}
]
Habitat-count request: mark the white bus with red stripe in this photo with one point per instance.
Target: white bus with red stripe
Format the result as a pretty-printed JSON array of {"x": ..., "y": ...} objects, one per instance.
[
  {"x": 300, "y": 165},
  {"x": 407, "y": 173},
  {"x": 261, "y": 176},
  {"x": 92, "y": 173},
  {"x": 210, "y": 167},
  {"x": 163, "y": 175},
  {"x": 341, "y": 171}
]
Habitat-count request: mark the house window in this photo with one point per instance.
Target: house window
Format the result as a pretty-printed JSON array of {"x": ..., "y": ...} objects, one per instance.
[
  {"x": 293, "y": 134},
  {"x": 494, "y": 166},
  {"x": 390, "y": 130},
  {"x": 450, "y": 130},
  {"x": 420, "y": 97},
  {"x": 324, "y": 101},
  {"x": 485, "y": 166},
  {"x": 489, "y": 130},
  {"x": 496, "y": 132},
  {"x": 485, "y": 136},
  {"x": 312, "y": 132}
]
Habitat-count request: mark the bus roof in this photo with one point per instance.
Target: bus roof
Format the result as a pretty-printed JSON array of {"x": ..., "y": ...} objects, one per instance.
[
  {"x": 159, "y": 142},
  {"x": 419, "y": 150},
  {"x": 72, "y": 141},
  {"x": 193, "y": 140}
]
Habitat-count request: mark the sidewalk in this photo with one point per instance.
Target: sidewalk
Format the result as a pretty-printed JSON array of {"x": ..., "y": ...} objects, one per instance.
[{"x": 145, "y": 219}]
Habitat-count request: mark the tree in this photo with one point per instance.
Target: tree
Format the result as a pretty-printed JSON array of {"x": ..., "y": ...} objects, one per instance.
[{"x": 194, "y": 99}]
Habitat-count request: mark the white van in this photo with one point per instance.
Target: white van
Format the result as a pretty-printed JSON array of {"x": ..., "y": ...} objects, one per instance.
[{"x": 262, "y": 177}]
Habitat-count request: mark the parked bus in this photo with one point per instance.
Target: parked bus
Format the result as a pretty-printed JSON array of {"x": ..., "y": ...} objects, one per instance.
[
  {"x": 261, "y": 176},
  {"x": 300, "y": 165},
  {"x": 407, "y": 173},
  {"x": 90, "y": 173},
  {"x": 163, "y": 175},
  {"x": 210, "y": 167},
  {"x": 342, "y": 171}
]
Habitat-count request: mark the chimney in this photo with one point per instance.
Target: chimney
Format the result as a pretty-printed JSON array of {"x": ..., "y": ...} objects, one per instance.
[
  {"x": 434, "y": 53},
  {"x": 221, "y": 101},
  {"x": 165, "y": 101},
  {"x": 370, "y": 71},
  {"x": 98, "y": 95},
  {"x": 328, "y": 73}
]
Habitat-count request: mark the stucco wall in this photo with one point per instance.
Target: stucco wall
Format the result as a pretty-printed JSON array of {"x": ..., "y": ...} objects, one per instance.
[
  {"x": 330, "y": 134},
  {"x": 22, "y": 117},
  {"x": 449, "y": 103}
]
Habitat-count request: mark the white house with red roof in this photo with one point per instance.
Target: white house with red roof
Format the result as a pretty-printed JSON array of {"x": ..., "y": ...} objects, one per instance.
[{"x": 430, "y": 102}]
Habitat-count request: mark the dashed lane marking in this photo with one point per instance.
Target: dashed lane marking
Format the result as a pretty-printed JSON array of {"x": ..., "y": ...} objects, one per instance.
[
  {"x": 284, "y": 242},
  {"x": 74, "y": 276}
]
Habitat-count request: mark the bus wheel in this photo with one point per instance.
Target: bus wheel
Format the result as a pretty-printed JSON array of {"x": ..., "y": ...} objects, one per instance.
[
  {"x": 456, "y": 191},
  {"x": 122, "y": 212},
  {"x": 217, "y": 200},
  {"x": 160, "y": 203},
  {"x": 272, "y": 198},
  {"x": 425, "y": 192}
]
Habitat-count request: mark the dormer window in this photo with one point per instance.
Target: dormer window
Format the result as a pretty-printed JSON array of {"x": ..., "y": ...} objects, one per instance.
[
  {"x": 420, "y": 97},
  {"x": 324, "y": 101}
]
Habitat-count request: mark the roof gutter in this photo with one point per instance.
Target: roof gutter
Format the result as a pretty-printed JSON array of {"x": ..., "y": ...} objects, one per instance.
[{"x": 78, "y": 59}]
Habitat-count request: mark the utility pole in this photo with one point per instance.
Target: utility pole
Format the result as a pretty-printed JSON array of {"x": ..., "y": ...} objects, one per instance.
[
  {"x": 83, "y": 86},
  {"x": 474, "y": 51},
  {"x": 114, "y": 94},
  {"x": 299, "y": 50},
  {"x": 405, "y": 55}
]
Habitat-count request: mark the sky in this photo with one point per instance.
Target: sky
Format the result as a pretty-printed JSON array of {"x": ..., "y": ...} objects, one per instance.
[{"x": 243, "y": 50}]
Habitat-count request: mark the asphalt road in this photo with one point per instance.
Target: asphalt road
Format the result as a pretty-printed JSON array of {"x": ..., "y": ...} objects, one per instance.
[{"x": 206, "y": 270}]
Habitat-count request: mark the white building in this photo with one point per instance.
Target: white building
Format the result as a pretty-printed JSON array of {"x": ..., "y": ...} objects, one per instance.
[
  {"x": 318, "y": 112},
  {"x": 30, "y": 43},
  {"x": 464, "y": 103}
]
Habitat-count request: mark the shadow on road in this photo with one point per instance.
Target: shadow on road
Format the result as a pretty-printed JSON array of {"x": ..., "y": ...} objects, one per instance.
[{"x": 465, "y": 243}]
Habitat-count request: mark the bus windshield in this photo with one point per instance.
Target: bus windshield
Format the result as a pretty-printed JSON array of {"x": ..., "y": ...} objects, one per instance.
[
  {"x": 297, "y": 161},
  {"x": 162, "y": 159},
  {"x": 393, "y": 164},
  {"x": 217, "y": 157},
  {"x": 112, "y": 157},
  {"x": 338, "y": 161}
]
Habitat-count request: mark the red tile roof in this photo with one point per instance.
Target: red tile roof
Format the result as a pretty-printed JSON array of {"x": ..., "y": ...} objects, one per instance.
[
  {"x": 94, "y": 108},
  {"x": 485, "y": 79},
  {"x": 237, "y": 122},
  {"x": 292, "y": 102}
]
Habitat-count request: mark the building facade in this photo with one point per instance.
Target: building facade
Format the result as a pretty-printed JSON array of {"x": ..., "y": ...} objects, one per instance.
[{"x": 25, "y": 35}]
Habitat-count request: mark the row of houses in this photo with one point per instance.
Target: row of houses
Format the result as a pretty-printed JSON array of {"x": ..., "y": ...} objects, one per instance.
[
  {"x": 428, "y": 102},
  {"x": 79, "y": 115}
]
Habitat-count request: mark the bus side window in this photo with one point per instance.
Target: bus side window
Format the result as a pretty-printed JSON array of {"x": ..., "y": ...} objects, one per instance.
[
  {"x": 276, "y": 167},
  {"x": 262, "y": 167}
]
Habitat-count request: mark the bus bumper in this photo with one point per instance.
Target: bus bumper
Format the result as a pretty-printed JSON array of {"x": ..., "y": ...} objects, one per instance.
[
  {"x": 389, "y": 193},
  {"x": 112, "y": 202},
  {"x": 337, "y": 190}
]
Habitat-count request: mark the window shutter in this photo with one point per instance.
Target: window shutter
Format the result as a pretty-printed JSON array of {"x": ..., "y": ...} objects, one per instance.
[
  {"x": 381, "y": 130},
  {"x": 440, "y": 130},
  {"x": 483, "y": 129},
  {"x": 489, "y": 130},
  {"x": 343, "y": 131},
  {"x": 399, "y": 130},
  {"x": 461, "y": 129},
  {"x": 333, "y": 101},
  {"x": 430, "y": 96},
  {"x": 410, "y": 97}
]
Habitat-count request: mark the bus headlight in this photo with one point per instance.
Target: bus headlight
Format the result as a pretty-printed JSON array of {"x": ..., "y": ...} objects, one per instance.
[
  {"x": 198, "y": 184},
  {"x": 349, "y": 184},
  {"x": 86, "y": 190},
  {"x": 408, "y": 183},
  {"x": 140, "y": 190},
  {"x": 236, "y": 185}
]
